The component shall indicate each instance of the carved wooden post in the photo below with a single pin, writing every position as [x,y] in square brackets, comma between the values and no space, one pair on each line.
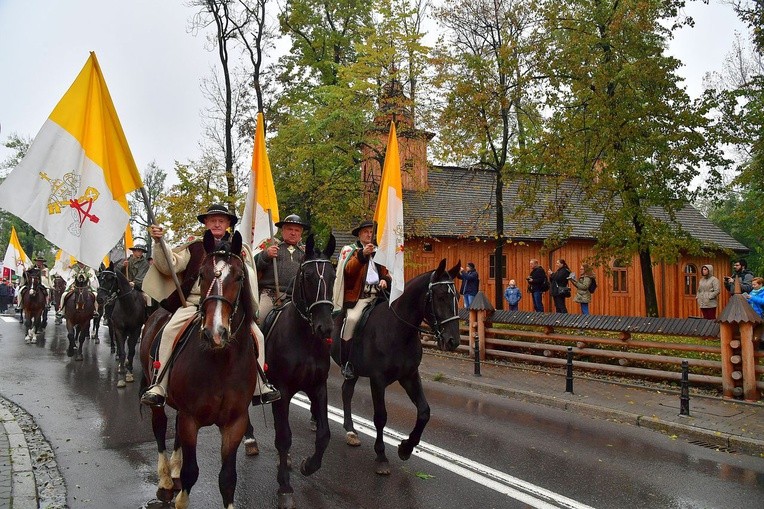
[737,323]
[480,310]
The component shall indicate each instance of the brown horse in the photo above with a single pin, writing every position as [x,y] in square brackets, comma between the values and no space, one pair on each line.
[213,373]
[78,311]
[33,301]
[59,287]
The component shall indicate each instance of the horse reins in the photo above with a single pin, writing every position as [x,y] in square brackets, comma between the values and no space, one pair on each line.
[217,282]
[321,297]
[435,324]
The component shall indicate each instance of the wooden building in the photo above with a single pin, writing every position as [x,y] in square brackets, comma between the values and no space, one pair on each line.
[450,213]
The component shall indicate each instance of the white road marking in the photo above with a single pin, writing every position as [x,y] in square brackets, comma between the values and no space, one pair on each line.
[9,319]
[525,492]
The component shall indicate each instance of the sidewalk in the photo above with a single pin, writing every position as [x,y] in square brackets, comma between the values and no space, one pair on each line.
[17,482]
[732,425]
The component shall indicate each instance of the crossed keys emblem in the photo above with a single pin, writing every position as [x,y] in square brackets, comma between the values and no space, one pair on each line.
[62,194]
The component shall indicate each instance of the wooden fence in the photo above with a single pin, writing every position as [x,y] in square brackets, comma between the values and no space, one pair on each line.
[612,344]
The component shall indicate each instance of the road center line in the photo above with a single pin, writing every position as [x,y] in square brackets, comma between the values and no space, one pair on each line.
[525,492]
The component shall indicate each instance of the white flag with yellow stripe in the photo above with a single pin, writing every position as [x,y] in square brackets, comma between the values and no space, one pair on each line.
[15,258]
[72,184]
[389,217]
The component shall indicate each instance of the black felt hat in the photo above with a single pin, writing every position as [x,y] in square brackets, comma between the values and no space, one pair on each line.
[364,224]
[218,209]
[293,219]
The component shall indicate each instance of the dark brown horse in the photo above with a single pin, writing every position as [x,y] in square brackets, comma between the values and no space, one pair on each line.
[78,311]
[389,349]
[33,301]
[128,313]
[213,374]
[297,354]
[59,287]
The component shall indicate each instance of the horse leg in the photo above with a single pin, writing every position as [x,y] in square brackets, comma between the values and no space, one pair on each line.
[82,334]
[283,442]
[231,436]
[351,437]
[70,335]
[188,432]
[28,326]
[120,337]
[176,461]
[413,387]
[319,411]
[159,427]
[380,420]
[132,340]
[250,442]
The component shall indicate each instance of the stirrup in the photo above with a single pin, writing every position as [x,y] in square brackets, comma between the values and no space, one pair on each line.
[347,371]
[267,398]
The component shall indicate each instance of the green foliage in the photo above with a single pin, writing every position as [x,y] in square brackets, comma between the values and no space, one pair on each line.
[189,198]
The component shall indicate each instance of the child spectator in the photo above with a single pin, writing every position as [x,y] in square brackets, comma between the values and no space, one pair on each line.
[513,295]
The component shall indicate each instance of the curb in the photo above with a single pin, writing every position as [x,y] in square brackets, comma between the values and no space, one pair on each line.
[23,486]
[745,445]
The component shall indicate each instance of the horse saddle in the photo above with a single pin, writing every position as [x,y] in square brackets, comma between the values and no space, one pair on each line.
[365,316]
[179,342]
[271,318]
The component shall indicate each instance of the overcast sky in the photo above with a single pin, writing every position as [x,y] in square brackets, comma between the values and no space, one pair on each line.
[153,65]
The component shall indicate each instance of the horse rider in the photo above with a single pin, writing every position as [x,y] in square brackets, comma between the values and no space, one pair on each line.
[186,261]
[38,266]
[358,284]
[136,266]
[289,253]
[80,269]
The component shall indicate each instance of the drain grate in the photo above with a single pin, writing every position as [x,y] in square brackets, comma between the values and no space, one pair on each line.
[715,447]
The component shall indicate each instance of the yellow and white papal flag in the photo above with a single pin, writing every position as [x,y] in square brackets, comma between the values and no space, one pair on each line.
[15,258]
[389,217]
[62,264]
[255,226]
[72,184]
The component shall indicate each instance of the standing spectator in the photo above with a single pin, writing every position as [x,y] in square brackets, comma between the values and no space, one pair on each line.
[741,271]
[537,285]
[756,296]
[513,295]
[582,284]
[470,283]
[708,292]
[6,295]
[558,281]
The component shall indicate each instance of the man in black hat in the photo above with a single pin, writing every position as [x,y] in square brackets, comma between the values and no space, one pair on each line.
[289,253]
[186,261]
[359,282]
[137,266]
[38,267]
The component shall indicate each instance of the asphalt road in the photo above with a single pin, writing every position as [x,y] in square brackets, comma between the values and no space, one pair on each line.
[480,450]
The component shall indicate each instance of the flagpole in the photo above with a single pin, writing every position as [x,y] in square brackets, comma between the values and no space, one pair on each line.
[163,245]
[275,265]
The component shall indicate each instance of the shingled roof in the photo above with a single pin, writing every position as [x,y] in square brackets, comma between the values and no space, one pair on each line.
[460,203]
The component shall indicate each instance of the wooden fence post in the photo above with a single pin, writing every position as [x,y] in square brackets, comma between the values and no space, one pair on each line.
[480,310]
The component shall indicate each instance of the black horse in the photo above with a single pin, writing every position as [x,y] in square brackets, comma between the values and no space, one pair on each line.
[126,318]
[388,349]
[33,301]
[297,355]
[78,311]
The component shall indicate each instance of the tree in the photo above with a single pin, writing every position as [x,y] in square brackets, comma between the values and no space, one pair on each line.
[486,68]
[153,182]
[620,123]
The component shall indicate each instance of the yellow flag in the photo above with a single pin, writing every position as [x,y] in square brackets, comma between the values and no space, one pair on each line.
[15,258]
[261,196]
[389,217]
[72,184]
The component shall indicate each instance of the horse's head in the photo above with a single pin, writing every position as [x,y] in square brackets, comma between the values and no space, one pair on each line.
[313,288]
[224,288]
[33,280]
[441,309]
[107,284]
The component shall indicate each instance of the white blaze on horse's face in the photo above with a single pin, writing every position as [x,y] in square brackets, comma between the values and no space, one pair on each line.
[222,270]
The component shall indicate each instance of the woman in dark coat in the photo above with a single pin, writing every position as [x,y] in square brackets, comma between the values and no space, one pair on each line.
[558,283]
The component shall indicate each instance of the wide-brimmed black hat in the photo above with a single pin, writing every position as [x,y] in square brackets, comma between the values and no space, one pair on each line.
[217,208]
[138,247]
[39,258]
[364,224]
[293,219]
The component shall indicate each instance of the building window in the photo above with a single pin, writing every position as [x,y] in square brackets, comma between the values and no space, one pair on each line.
[492,266]
[690,280]
[427,247]
[619,277]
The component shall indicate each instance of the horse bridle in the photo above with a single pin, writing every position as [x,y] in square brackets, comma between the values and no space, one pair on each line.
[323,292]
[217,282]
[436,325]
[113,290]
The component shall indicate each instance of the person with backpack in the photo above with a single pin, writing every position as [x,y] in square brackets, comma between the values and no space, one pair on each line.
[559,285]
[585,286]
[538,283]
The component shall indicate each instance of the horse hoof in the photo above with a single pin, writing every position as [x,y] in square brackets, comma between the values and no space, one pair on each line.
[306,470]
[79,357]
[33,340]
[164,495]
[351,438]
[313,425]
[383,468]
[97,340]
[121,383]
[286,501]
[129,378]
[250,447]
[405,450]
[69,352]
